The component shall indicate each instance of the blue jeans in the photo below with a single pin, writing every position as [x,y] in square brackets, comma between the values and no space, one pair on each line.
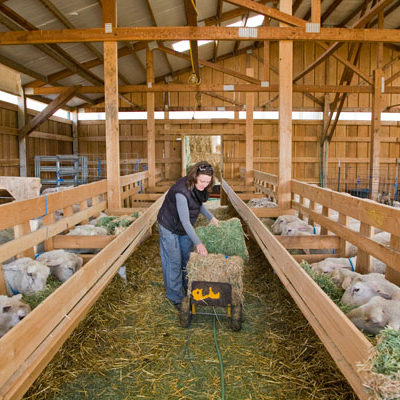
[175,251]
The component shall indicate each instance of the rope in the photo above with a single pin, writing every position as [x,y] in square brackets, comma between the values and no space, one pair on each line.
[194,6]
[351,265]
[221,365]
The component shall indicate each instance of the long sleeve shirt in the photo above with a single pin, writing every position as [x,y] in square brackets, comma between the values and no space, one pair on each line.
[183,212]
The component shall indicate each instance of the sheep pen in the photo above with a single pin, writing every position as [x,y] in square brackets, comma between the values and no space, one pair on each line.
[131,346]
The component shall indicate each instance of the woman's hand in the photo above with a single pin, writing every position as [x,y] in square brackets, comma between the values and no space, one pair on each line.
[201,249]
[214,221]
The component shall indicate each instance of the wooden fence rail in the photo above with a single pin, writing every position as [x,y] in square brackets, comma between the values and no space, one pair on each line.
[345,343]
[29,346]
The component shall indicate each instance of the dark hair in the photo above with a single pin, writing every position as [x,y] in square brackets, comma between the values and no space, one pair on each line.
[200,168]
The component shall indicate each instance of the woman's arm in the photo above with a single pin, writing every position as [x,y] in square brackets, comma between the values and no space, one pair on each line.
[208,215]
[183,212]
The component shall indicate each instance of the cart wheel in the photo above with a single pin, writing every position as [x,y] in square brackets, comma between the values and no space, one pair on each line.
[236,318]
[184,314]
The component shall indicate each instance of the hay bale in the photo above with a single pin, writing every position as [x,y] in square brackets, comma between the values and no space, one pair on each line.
[226,239]
[217,268]
[263,202]
[381,372]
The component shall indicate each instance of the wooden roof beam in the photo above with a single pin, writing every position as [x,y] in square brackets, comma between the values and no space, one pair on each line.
[173,33]
[218,17]
[61,17]
[56,104]
[211,65]
[330,10]
[271,12]
[153,18]
[12,20]
[367,17]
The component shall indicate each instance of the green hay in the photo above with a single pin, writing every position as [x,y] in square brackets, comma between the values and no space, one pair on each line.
[381,371]
[112,223]
[326,283]
[36,298]
[226,239]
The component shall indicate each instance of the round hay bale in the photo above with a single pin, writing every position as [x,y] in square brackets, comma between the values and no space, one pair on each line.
[226,239]
[217,268]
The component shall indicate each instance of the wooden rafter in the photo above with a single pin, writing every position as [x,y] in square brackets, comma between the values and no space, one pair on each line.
[271,12]
[211,65]
[153,18]
[67,23]
[56,104]
[218,22]
[332,7]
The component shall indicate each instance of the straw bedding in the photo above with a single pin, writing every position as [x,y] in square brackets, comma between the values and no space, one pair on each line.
[130,346]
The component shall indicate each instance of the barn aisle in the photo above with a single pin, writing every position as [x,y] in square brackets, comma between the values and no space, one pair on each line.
[131,346]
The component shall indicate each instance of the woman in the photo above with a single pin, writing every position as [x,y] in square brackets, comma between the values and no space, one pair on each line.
[182,205]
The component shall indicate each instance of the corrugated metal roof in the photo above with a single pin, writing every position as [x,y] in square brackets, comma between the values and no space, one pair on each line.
[88,14]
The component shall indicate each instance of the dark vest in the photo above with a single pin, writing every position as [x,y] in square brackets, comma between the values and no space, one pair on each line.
[168,215]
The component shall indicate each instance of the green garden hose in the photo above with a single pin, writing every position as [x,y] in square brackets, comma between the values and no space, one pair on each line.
[221,365]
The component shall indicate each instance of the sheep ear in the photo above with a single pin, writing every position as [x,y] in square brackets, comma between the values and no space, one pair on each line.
[346,282]
[383,294]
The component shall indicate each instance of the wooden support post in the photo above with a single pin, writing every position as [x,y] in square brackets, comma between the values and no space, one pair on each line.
[374,155]
[325,144]
[151,127]
[344,245]
[316,11]
[111,109]
[285,113]
[3,290]
[391,274]
[22,141]
[183,155]
[75,143]
[363,263]
[249,132]
[167,149]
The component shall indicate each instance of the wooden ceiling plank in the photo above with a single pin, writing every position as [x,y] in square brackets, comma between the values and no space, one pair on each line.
[56,104]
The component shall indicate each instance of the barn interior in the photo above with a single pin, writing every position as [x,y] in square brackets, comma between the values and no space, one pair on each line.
[296,101]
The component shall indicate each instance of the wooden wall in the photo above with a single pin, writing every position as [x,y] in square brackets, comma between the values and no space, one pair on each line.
[38,142]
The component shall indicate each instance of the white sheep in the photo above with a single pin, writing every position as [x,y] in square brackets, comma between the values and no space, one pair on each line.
[396,204]
[341,275]
[377,313]
[281,221]
[298,228]
[12,310]
[88,230]
[62,264]
[361,291]
[25,276]
[261,203]
[329,264]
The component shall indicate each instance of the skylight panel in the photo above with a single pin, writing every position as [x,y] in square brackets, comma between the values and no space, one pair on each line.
[184,45]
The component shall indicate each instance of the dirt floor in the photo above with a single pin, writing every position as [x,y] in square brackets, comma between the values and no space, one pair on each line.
[131,346]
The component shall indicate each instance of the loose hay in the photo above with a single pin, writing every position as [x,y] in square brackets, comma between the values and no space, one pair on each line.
[130,346]
[227,238]
[217,268]
[381,372]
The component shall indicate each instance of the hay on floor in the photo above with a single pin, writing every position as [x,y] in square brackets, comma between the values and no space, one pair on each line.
[226,239]
[217,268]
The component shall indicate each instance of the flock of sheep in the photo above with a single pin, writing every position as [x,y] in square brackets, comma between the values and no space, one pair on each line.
[376,300]
[26,276]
